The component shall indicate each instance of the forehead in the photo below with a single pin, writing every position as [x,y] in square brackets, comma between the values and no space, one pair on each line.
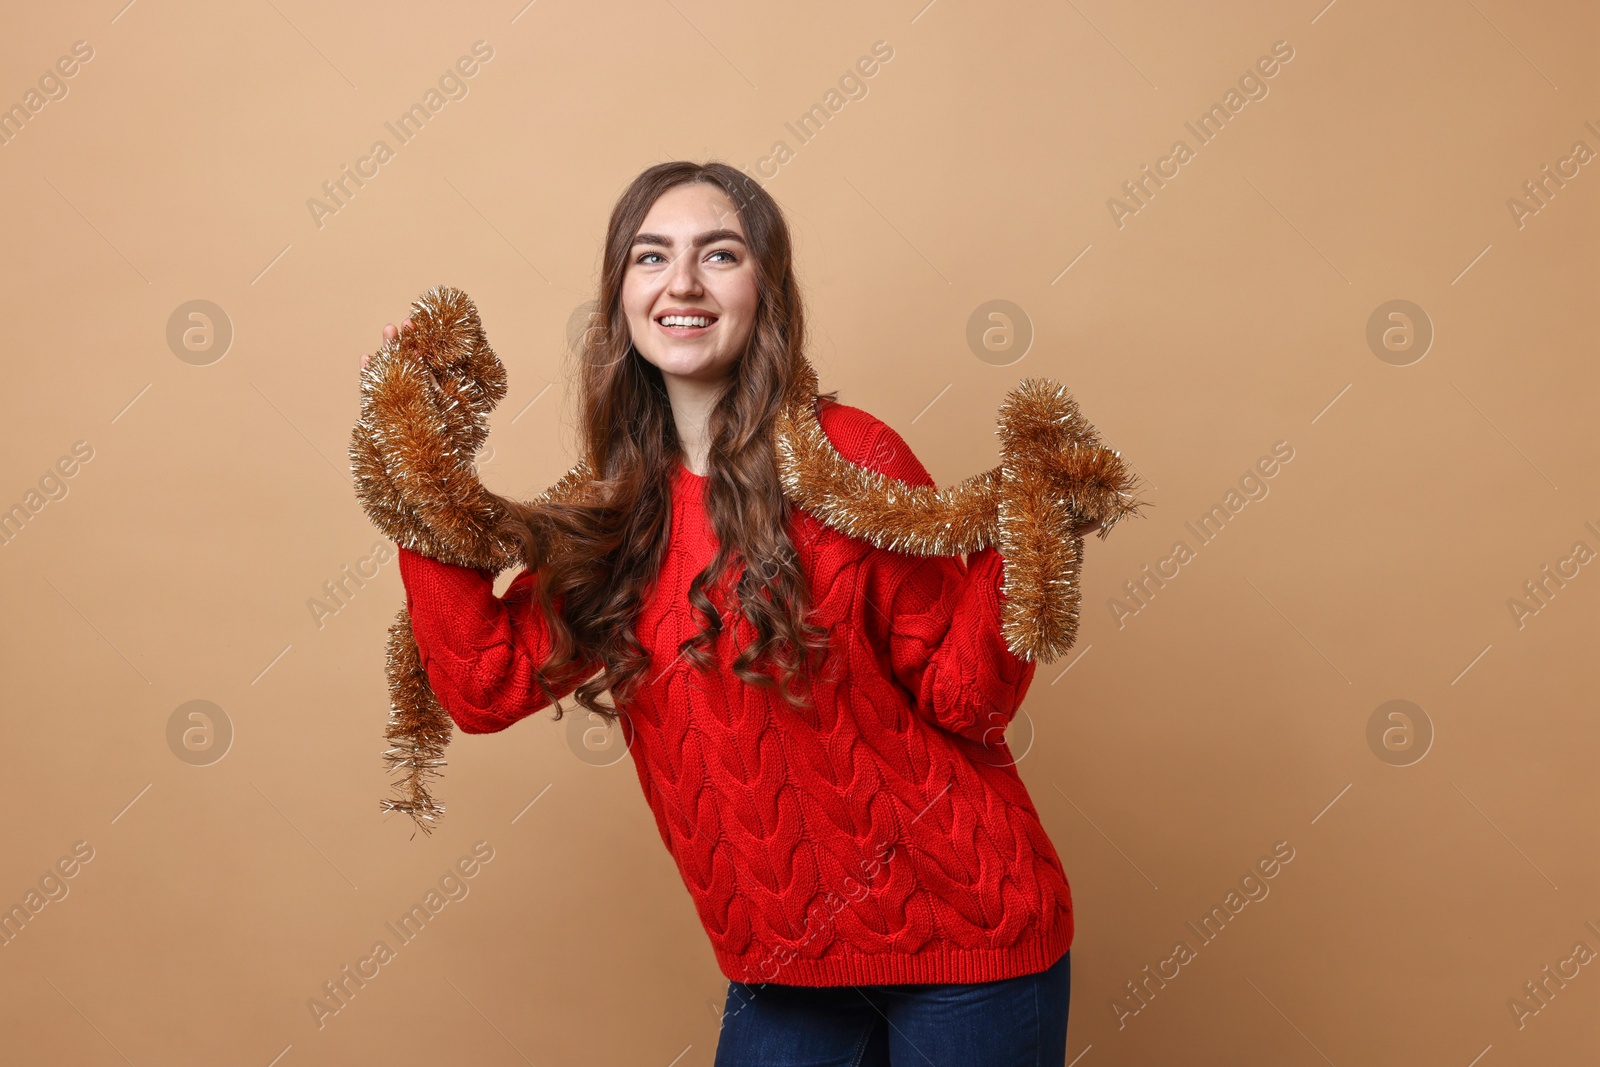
[690,208]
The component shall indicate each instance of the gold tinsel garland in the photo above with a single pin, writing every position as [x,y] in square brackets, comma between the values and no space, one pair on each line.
[425,402]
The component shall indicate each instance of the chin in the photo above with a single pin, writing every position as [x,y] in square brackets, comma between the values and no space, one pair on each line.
[692,365]
[699,370]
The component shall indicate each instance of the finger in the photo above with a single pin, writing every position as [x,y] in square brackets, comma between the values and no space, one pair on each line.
[389,331]
[408,324]
[364,359]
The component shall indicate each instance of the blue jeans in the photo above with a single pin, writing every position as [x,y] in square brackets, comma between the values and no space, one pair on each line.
[1012,1022]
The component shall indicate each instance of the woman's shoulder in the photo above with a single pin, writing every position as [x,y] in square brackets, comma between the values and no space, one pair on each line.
[868,441]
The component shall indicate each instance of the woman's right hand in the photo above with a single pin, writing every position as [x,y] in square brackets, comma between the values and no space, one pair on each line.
[389,334]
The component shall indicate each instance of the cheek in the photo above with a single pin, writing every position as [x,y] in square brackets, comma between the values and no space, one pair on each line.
[634,296]
[637,302]
[740,296]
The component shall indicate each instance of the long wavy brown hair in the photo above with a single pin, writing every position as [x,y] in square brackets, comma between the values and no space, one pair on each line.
[594,559]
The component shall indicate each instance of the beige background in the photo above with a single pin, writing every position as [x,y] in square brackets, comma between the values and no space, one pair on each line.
[1169,750]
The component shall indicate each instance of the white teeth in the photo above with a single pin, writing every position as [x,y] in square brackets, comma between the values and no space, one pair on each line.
[684,320]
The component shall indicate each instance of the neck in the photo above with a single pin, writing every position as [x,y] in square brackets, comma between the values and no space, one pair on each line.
[692,400]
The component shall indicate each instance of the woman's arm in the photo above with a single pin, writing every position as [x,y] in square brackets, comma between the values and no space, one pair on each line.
[946,646]
[939,619]
[480,650]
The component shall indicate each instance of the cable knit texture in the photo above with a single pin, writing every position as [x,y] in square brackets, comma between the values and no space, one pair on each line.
[882,837]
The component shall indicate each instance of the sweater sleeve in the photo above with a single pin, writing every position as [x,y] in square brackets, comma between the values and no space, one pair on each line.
[939,618]
[480,651]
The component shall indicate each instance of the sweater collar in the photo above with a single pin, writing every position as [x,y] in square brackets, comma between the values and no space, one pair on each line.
[683,475]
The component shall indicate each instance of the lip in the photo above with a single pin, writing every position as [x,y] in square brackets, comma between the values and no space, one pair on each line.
[686,331]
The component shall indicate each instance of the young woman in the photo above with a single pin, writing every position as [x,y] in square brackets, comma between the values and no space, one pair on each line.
[817,724]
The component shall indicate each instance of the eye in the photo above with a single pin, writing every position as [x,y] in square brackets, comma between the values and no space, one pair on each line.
[647,255]
[726,252]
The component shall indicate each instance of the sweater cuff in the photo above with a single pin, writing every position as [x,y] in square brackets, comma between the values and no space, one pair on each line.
[988,567]
[420,562]
[436,590]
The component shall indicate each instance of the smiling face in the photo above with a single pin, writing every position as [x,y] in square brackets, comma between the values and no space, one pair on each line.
[690,291]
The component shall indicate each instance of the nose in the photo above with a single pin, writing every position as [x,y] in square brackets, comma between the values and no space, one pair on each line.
[684,277]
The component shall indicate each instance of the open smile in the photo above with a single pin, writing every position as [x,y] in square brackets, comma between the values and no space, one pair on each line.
[676,324]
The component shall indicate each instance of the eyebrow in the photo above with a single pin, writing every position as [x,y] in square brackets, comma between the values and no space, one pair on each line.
[706,238]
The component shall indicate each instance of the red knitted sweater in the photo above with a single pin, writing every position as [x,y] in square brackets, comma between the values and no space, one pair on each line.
[882,837]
